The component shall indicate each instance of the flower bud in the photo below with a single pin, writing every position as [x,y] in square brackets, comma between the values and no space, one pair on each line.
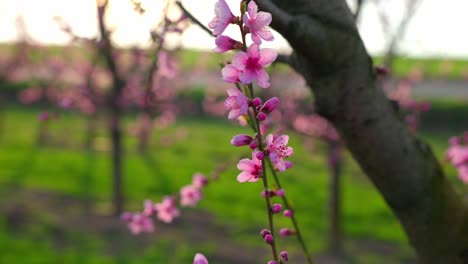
[284,255]
[225,43]
[260,155]
[261,116]
[286,232]
[268,238]
[253,145]
[264,232]
[126,216]
[288,213]
[241,140]
[276,208]
[270,105]
[280,192]
[256,102]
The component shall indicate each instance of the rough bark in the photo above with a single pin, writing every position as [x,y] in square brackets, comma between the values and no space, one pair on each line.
[330,54]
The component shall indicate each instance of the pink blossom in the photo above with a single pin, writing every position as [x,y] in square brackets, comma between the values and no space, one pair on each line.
[199,180]
[167,210]
[251,64]
[251,169]
[190,195]
[458,155]
[200,259]
[237,104]
[140,223]
[148,208]
[223,17]
[225,43]
[257,23]
[278,150]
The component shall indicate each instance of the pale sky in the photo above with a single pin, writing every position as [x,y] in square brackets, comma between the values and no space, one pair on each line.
[437,29]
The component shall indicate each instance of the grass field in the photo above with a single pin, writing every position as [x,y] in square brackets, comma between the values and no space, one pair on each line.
[56,197]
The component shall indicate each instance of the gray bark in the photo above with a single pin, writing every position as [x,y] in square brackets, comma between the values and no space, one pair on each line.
[330,54]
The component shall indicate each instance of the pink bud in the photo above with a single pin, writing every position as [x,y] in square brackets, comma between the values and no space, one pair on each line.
[253,145]
[225,43]
[268,238]
[256,102]
[280,192]
[261,116]
[276,208]
[284,255]
[260,155]
[264,232]
[241,140]
[288,213]
[270,105]
[286,232]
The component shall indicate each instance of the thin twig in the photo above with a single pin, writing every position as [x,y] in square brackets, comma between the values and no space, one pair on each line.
[194,19]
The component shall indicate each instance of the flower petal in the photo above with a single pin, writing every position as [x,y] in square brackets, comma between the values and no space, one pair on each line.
[267,56]
[239,60]
[230,74]
[262,78]
[244,176]
[252,9]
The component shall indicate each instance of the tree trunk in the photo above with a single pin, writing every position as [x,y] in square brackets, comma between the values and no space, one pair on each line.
[116,137]
[330,54]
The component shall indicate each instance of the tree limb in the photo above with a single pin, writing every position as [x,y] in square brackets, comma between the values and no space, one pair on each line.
[194,19]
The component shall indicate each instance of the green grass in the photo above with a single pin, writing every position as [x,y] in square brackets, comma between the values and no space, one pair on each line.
[196,145]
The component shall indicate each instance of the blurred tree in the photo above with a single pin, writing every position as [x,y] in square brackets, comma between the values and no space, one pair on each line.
[340,73]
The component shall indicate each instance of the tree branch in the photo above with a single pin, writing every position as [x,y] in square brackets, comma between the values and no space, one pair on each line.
[194,19]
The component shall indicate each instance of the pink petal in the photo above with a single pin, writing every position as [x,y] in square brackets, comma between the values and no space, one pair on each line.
[230,74]
[245,165]
[252,9]
[269,140]
[244,176]
[247,77]
[256,39]
[282,140]
[263,78]
[235,113]
[239,60]
[267,56]
[253,51]
[265,34]
[233,91]
[246,20]
[263,19]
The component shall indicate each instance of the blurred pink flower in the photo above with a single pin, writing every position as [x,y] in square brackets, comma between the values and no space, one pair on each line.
[237,104]
[278,149]
[190,195]
[30,95]
[140,223]
[257,23]
[199,180]
[167,210]
[223,17]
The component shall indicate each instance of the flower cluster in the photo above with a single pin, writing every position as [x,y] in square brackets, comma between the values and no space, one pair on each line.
[246,68]
[458,155]
[166,210]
